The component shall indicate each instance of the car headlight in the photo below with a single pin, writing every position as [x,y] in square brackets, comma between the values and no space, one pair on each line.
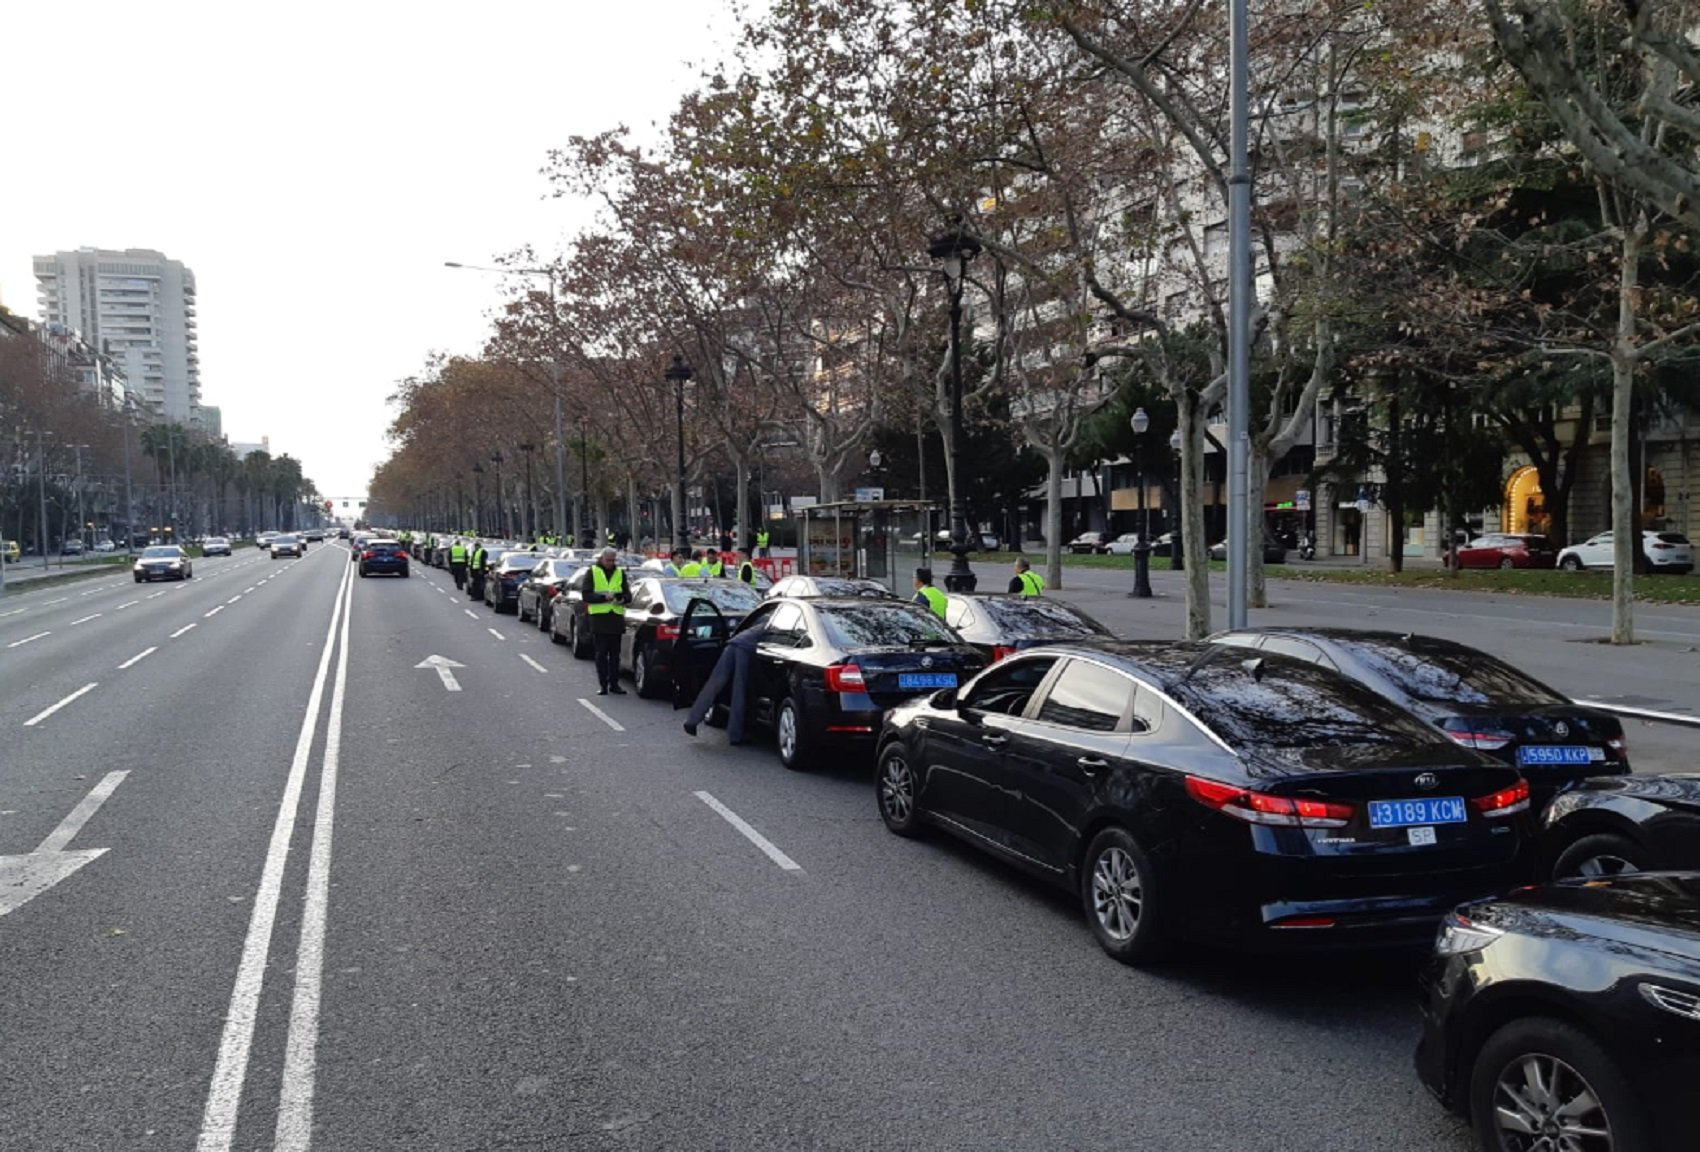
[1459,934]
[136,567]
[176,564]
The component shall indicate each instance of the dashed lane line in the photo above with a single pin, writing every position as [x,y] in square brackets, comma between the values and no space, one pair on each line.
[27,639]
[85,619]
[495,633]
[138,657]
[50,710]
[769,849]
[214,612]
[533,663]
[602,716]
[126,604]
[181,630]
[470,613]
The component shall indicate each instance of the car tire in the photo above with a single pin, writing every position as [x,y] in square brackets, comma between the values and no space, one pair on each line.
[519,612]
[362,571]
[1598,855]
[1571,1062]
[138,579]
[554,636]
[643,676]
[544,618]
[1506,564]
[790,734]
[404,573]
[1119,892]
[1571,564]
[581,650]
[896,790]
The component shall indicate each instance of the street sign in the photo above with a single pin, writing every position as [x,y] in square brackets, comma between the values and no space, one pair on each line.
[1301,499]
[869,495]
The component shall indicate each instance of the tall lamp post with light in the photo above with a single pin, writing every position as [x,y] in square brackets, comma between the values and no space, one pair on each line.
[1141,423]
[676,375]
[477,499]
[1177,553]
[953,249]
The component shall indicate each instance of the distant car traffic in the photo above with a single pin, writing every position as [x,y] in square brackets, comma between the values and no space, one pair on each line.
[1507,550]
[314,535]
[162,562]
[285,544]
[1664,552]
[384,558]
[1002,624]
[652,624]
[11,551]
[1475,699]
[105,546]
[215,546]
[1087,543]
[1567,1017]
[72,547]
[264,539]
[1624,824]
[1274,552]
[1188,790]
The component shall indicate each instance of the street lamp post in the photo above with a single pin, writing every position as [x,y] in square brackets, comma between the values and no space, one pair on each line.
[501,499]
[1177,554]
[129,492]
[1142,545]
[954,248]
[530,503]
[677,375]
[41,494]
[477,500]
[589,537]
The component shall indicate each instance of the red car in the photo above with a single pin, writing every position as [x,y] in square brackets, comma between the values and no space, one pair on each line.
[1505,550]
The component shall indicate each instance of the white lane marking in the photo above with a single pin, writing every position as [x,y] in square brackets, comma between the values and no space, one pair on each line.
[234,598]
[224,1096]
[603,716]
[158,594]
[1686,719]
[180,631]
[138,658]
[495,633]
[46,712]
[248,589]
[13,612]
[441,665]
[294,1130]
[767,846]
[27,639]
[470,613]
[214,612]
[533,663]
[86,808]
[126,604]
[85,619]
[61,600]
[92,592]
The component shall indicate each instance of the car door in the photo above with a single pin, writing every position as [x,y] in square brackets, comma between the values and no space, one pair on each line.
[1596,552]
[703,632]
[962,770]
[1059,761]
[770,675]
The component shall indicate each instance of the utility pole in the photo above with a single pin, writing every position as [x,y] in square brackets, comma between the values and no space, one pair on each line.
[1239,316]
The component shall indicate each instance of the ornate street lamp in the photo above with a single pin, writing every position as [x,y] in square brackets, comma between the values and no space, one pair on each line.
[1141,423]
[1177,554]
[676,376]
[953,249]
[477,500]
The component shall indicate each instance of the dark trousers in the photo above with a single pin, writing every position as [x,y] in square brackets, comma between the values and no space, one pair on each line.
[607,646]
[732,667]
[475,584]
[458,571]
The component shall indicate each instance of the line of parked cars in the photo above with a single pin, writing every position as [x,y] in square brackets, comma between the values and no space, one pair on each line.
[1664,552]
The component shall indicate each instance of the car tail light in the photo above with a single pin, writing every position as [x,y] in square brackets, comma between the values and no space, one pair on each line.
[845,678]
[1663,547]
[862,728]
[1485,741]
[1619,745]
[1263,808]
[368,554]
[666,631]
[1304,922]
[1504,802]
[401,555]
[999,651]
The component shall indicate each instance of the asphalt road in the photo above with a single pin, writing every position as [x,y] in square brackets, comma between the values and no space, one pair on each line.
[341,904]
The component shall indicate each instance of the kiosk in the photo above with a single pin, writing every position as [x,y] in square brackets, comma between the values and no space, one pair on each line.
[883,540]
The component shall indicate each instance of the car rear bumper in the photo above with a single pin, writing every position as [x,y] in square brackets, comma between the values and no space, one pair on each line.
[385,568]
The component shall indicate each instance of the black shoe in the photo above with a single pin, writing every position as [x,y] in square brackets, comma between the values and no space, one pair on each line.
[616,690]
[602,691]
[690,729]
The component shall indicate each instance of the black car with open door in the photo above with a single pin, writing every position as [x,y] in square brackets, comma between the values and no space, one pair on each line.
[826,670]
[1624,824]
[653,620]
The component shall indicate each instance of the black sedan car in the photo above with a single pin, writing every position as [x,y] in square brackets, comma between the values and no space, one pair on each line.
[652,624]
[1624,824]
[537,595]
[827,670]
[507,573]
[162,562]
[1191,790]
[383,557]
[1478,700]
[1566,1018]
[813,587]
[1001,625]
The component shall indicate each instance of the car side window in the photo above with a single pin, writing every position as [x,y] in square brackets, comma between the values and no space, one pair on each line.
[1089,697]
[958,615]
[641,598]
[1007,688]
[786,627]
[1298,649]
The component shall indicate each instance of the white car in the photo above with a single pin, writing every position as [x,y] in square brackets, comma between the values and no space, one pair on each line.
[215,546]
[1665,552]
[1123,545]
[105,546]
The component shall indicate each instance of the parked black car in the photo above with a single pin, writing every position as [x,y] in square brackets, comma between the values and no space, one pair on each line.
[810,587]
[507,573]
[1192,790]
[1000,624]
[827,670]
[537,594]
[1478,700]
[1624,824]
[652,623]
[1567,1017]
[383,556]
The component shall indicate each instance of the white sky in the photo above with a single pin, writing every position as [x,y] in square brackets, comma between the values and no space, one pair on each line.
[315,163]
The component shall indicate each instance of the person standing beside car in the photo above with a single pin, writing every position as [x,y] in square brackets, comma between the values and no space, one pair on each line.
[1026,582]
[475,571]
[457,562]
[605,600]
[925,593]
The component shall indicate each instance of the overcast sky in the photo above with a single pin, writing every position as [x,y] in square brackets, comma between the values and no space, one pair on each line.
[315,163]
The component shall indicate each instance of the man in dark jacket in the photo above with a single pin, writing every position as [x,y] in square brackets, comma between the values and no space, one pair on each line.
[605,600]
[732,668]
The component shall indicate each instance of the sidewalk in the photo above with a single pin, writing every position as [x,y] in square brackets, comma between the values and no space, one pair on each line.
[28,573]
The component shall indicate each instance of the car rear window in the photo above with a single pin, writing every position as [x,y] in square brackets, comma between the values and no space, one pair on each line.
[726,595]
[1444,673]
[1035,615]
[878,625]
[830,587]
[1292,705]
[1672,538]
[516,560]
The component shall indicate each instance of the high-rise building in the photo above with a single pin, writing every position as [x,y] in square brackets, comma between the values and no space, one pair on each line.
[138,307]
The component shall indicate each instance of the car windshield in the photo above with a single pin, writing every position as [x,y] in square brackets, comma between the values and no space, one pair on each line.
[162,552]
[830,587]
[726,595]
[1285,704]
[283,539]
[878,625]
[1440,673]
[1039,616]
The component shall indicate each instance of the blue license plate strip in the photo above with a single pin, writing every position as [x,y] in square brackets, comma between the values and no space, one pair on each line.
[1555,754]
[926,679]
[1410,813]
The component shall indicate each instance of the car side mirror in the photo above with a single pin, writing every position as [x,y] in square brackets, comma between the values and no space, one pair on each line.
[946,698]
[657,608]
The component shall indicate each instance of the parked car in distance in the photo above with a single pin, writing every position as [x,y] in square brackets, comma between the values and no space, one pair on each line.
[1507,550]
[507,573]
[1665,552]
[1189,790]
[652,623]
[1274,552]
[1087,543]
[383,558]
[11,551]
[287,544]
[1623,824]
[794,587]
[1001,624]
[105,546]
[1475,699]
[537,594]
[72,547]
[215,546]
[162,562]
[826,670]
[1567,1017]
[1124,544]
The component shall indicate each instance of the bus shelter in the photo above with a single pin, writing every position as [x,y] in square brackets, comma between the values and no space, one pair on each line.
[883,540]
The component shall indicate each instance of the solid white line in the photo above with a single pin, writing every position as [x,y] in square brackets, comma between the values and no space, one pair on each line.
[181,630]
[27,639]
[495,633]
[86,807]
[224,1096]
[46,712]
[1687,719]
[767,846]
[85,619]
[138,658]
[295,1103]
[126,604]
[603,716]
[214,612]
[533,663]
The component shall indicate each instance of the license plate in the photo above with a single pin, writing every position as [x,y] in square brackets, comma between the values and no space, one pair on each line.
[1405,813]
[1420,837]
[1558,754]
[926,679]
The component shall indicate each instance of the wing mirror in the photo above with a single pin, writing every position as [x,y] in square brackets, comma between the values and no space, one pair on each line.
[657,608]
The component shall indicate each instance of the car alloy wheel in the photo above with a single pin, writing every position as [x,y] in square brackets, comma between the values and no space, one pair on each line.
[789,732]
[1121,898]
[1602,854]
[897,794]
[641,678]
[1117,895]
[1571,564]
[1507,564]
[1541,1085]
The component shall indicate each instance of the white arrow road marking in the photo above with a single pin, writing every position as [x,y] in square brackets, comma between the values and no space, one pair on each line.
[27,639]
[137,658]
[533,663]
[603,716]
[23,878]
[442,664]
[767,846]
[48,711]
[85,619]
[181,630]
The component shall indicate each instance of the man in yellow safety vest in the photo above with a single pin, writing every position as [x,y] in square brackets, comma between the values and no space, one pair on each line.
[926,594]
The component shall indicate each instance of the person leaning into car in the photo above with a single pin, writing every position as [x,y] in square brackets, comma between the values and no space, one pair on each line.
[605,600]
[731,668]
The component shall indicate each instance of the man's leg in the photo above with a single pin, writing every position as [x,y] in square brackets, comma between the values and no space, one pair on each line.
[740,692]
[710,691]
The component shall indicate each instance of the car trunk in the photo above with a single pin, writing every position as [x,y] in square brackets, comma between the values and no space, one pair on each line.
[892,675]
[1551,744]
